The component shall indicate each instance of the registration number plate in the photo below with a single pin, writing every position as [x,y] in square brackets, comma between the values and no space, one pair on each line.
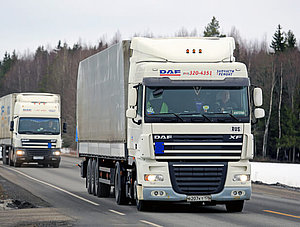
[199,198]
[38,157]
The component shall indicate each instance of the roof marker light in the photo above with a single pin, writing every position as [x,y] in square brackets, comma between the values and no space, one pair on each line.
[200,51]
[187,51]
[194,51]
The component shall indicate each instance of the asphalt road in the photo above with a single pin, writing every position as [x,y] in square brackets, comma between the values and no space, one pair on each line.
[64,190]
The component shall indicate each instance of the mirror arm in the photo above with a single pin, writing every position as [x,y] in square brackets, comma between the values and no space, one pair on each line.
[137,122]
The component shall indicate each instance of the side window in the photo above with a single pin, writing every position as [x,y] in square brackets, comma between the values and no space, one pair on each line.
[140,99]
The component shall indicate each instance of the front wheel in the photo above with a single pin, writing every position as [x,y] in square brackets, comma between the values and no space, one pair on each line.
[235,206]
[141,205]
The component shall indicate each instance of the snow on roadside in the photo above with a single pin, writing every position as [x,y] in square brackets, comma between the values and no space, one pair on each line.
[273,173]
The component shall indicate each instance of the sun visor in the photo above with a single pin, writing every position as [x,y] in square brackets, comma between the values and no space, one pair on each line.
[167,82]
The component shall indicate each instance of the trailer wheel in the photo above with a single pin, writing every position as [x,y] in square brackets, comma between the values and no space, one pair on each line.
[4,158]
[95,177]
[88,177]
[235,206]
[120,190]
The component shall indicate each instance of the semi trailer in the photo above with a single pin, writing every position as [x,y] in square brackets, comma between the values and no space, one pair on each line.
[30,129]
[167,120]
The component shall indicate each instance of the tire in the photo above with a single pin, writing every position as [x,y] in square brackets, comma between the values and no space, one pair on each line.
[235,206]
[141,205]
[56,165]
[17,164]
[89,176]
[4,159]
[94,178]
[10,157]
[120,189]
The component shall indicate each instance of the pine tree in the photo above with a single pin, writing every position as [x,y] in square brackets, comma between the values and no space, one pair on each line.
[279,42]
[291,40]
[212,29]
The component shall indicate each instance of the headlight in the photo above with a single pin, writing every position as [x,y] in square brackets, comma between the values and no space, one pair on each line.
[241,177]
[56,153]
[153,177]
[20,152]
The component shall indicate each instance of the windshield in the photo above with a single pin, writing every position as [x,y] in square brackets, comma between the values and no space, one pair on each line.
[196,104]
[32,125]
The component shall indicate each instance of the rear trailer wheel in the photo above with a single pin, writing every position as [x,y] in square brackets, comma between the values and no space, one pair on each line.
[120,190]
[89,177]
[94,176]
[235,206]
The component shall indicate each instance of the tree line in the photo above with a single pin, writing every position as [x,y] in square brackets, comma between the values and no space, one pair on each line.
[275,67]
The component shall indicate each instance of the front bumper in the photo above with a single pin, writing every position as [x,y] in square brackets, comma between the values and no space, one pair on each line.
[38,156]
[227,194]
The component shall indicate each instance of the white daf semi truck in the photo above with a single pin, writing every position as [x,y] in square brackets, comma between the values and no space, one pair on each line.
[167,120]
[30,129]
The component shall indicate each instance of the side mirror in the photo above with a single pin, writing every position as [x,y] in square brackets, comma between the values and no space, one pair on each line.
[64,127]
[257,97]
[132,97]
[259,113]
[131,113]
[12,124]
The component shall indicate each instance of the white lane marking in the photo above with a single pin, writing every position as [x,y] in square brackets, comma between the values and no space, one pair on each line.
[57,188]
[117,212]
[150,223]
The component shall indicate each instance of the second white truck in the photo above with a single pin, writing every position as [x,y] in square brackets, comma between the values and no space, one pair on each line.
[30,130]
[167,120]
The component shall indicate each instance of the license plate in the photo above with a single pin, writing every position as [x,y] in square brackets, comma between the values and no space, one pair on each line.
[198,198]
[38,157]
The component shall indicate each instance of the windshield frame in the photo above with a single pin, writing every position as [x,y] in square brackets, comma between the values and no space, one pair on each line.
[41,127]
[197,117]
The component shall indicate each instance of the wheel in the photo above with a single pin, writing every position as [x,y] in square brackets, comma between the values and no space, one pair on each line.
[56,165]
[235,206]
[89,177]
[4,158]
[141,205]
[120,190]
[102,190]
[10,157]
[17,164]
[95,174]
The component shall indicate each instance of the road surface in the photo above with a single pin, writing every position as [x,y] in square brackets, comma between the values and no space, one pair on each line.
[64,190]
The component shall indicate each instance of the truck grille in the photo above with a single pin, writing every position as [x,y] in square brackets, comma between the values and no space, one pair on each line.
[208,147]
[38,143]
[38,152]
[198,178]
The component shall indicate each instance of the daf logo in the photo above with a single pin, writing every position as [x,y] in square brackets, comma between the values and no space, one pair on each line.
[162,137]
[235,137]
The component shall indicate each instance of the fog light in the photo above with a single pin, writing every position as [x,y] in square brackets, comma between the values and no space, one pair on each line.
[20,152]
[241,177]
[153,177]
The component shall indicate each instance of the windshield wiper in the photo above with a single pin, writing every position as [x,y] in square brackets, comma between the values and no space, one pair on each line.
[203,115]
[231,115]
[176,115]
[26,132]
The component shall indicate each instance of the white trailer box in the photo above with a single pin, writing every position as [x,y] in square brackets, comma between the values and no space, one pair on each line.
[103,90]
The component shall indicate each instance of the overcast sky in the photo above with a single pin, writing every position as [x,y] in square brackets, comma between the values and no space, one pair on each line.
[27,24]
